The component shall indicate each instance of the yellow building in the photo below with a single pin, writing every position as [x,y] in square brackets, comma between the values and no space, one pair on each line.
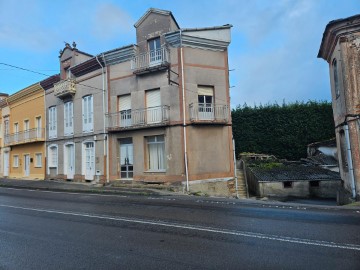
[24,135]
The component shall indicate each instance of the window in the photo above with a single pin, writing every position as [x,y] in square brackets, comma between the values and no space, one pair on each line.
[6,131]
[68,118]
[288,184]
[38,160]
[15,161]
[53,156]
[314,183]
[153,106]
[155,51]
[26,129]
[156,153]
[343,151]
[336,78]
[206,100]
[16,132]
[38,127]
[124,110]
[6,127]
[87,110]
[52,122]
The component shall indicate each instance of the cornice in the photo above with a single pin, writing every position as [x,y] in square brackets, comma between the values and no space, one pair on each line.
[22,94]
[334,31]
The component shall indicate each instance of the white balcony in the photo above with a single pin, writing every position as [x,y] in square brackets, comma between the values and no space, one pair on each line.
[133,119]
[30,135]
[150,61]
[208,113]
[64,88]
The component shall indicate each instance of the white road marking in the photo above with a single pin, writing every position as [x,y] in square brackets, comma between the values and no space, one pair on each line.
[64,192]
[199,228]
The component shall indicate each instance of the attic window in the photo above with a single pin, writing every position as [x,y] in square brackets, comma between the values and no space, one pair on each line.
[287,184]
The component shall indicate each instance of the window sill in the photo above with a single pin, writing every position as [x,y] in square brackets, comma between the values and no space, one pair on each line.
[155,171]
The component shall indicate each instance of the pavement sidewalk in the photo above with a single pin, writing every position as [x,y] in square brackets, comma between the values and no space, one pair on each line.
[68,186]
[142,190]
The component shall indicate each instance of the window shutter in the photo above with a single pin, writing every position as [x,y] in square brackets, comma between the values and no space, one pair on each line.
[124,103]
[153,98]
[91,116]
[205,90]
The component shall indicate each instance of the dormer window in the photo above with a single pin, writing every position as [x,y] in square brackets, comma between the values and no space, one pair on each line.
[155,51]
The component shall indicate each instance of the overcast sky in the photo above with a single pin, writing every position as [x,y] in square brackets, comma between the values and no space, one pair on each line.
[273,53]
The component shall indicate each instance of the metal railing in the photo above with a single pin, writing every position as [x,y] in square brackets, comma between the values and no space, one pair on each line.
[150,59]
[208,112]
[64,88]
[138,118]
[30,135]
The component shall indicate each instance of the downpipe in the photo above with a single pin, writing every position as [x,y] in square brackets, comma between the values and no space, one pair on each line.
[350,161]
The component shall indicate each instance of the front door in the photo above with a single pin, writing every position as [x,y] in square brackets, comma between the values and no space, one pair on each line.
[70,161]
[26,165]
[89,161]
[6,163]
[126,159]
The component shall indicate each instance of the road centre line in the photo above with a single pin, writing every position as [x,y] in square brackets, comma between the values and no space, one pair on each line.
[199,228]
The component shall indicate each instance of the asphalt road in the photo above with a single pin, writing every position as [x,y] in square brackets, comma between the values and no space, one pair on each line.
[52,230]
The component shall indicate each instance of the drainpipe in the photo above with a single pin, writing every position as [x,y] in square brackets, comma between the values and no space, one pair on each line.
[350,162]
[107,136]
[103,106]
[184,120]
[235,174]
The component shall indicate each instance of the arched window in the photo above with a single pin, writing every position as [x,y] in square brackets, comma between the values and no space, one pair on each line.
[336,78]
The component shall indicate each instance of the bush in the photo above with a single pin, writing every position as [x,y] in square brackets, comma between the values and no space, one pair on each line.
[283,131]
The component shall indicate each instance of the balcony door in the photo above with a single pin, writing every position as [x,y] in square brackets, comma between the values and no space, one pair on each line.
[153,107]
[124,110]
[26,130]
[155,55]
[206,102]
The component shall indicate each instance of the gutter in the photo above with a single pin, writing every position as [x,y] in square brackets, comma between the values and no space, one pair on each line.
[184,120]
[104,115]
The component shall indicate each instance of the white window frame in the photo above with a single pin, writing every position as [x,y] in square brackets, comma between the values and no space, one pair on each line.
[52,121]
[158,165]
[38,160]
[68,118]
[26,129]
[15,161]
[88,113]
[38,126]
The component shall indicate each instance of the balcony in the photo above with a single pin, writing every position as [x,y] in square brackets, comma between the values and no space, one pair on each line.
[134,119]
[208,113]
[27,136]
[64,89]
[150,61]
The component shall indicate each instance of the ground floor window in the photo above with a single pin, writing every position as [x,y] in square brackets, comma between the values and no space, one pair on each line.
[288,184]
[38,160]
[53,156]
[156,153]
[314,183]
[15,161]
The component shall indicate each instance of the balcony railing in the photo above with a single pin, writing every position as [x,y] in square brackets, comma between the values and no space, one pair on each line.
[64,88]
[30,135]
[208,112]
[151,60]
[131,119]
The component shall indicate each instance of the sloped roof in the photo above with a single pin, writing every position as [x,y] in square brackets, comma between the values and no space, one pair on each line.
[294,173]
[158,11]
